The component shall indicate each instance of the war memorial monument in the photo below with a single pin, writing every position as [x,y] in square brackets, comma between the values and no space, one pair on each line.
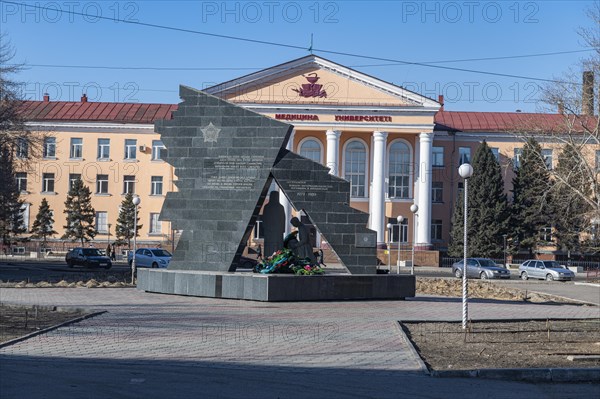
[225,158]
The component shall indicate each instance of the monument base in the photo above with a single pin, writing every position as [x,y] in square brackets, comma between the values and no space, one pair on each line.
[276,287]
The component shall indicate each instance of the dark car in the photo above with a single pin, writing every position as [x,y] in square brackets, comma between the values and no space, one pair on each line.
[87,257]
[482,268]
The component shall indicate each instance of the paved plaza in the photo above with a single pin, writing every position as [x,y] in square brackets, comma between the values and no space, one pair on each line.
[152,345]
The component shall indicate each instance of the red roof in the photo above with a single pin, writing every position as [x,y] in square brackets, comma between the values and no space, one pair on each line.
[96,111]
[149,113]
[510,121]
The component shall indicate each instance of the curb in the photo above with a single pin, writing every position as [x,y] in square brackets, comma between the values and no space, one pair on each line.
[563,375]
[411,348]
[48,329]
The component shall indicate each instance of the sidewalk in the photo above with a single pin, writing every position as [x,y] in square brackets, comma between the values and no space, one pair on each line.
[170,346]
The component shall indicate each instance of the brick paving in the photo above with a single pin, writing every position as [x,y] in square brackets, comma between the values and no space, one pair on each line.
[341,337]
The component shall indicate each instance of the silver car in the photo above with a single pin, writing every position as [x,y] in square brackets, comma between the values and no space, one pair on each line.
[150,257]
[549,270]
[482,268]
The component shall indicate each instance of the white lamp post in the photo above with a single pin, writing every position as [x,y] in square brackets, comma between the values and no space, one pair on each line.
[389,227]
[400,219]
[465,171]
[136,201]
[414,208]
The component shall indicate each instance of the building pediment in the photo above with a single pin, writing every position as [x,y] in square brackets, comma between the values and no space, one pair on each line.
[314,80]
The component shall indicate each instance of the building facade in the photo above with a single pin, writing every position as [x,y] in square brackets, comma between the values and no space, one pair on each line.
[397,148]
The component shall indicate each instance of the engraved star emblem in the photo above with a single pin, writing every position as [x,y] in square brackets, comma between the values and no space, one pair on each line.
[211,133]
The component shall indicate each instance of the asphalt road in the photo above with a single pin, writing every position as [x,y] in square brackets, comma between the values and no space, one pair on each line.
[35,271]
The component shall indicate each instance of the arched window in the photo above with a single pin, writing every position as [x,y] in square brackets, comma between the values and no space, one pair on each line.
[399,170]
[355,158]
[311,149]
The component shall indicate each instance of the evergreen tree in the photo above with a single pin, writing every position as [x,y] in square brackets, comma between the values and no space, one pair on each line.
[43,224]
[488,216]
[11,206]
[569,208]
[80,213]
[125,222]
[531,197]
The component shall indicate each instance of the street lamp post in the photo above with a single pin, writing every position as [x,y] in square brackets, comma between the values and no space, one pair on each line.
[400,219]
[136,202]
[414,208]
[504,236]
[389,246]
[465,171]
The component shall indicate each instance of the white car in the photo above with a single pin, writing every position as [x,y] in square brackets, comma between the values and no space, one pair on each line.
[549,270]
[150,257]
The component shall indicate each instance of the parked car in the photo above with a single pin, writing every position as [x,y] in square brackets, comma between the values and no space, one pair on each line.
[150,257]
[549,270]
[480,268]
[88,257]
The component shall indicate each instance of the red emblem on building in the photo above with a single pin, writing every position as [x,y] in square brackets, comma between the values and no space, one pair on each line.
[311,89]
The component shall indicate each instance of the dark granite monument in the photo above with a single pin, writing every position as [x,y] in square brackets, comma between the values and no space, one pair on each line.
[225,158]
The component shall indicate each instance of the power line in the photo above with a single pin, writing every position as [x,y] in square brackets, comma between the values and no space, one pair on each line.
[141,68]
[291,46]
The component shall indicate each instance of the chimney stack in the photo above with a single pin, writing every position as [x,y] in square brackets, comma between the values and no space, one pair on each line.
[561,107]
[46,98]
[587,97]
[441,101]
[84,98]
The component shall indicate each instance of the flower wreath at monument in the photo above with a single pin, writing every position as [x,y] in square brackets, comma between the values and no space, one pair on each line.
[285,261]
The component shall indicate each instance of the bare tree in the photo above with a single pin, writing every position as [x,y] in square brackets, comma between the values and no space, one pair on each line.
[14,136]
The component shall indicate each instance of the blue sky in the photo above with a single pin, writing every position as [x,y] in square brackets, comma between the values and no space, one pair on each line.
[416,31]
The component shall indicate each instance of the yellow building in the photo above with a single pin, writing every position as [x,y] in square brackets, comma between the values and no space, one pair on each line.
[396,147]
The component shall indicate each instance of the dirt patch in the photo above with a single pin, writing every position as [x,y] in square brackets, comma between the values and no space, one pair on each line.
[530,344]
[77,280]
[481,289]
[17,321]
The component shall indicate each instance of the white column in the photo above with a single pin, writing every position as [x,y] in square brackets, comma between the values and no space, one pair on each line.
[282,198]
[333,151]
[424,188]
[377,203]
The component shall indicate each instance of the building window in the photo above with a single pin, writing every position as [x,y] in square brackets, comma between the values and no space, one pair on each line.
[437,154]
[101,184]
[461,188]
[48,182]
[311,149]
[103,148]
[25,214]
[102,222]
[49,147]
[399,230]
[517,158]
[259,234]
[155,226]
[597,160]
[436,230]
[73,177]
[128,184]
[464,155]
[158,150]
[437,191]
[496,153]
[355,168]
[21,181]
[22,148]
[76,148]
[130,149]
[546,234]
[399,170]
[547,155]
[156,185]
